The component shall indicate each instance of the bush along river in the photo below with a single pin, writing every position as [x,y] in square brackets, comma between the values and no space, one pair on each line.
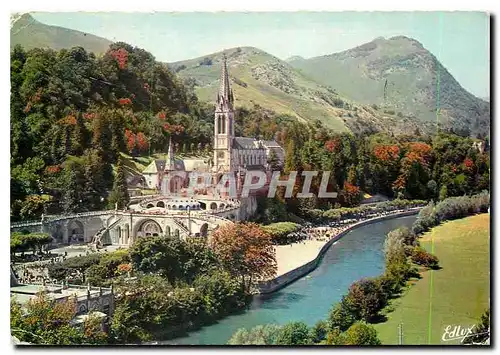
[356,255]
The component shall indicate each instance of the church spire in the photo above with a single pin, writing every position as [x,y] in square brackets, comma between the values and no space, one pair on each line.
[225,91]
[170,162]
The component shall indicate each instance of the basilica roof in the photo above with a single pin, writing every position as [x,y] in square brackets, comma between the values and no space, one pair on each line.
[245,143]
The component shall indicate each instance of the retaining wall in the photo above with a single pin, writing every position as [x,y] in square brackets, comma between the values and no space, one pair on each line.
[292,275]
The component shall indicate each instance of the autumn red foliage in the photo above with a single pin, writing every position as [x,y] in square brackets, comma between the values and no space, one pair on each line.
[246,249]
[331,145]
[386,152]
[162,115]
[68,120]
[124,268]
[351,194]
[173,129]
[121,57]
[142,142]
[53,169]
[130,140]
[125,101]
[89,115]
[468,163]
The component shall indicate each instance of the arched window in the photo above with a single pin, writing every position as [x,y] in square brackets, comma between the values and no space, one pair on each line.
[223,124]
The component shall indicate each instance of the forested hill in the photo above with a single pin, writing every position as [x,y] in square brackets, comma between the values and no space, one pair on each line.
[30,33]
[73,112]
[73,115]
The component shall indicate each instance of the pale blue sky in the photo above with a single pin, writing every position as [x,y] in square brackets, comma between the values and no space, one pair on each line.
[460,40]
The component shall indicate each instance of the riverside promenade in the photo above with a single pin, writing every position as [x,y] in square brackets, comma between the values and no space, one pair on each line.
[297,260]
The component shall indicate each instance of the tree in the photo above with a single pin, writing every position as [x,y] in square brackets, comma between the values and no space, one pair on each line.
[366,299]
[273,161]
[73,184]
[47,323]
[318,332]
[481,331]
[245,250]
[173,258]
[361,334]
[158,254]
[260,335]
[119,194]
[294,333]
[342,315]
[79,138]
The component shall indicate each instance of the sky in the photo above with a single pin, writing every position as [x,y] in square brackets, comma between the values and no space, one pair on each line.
[460,40]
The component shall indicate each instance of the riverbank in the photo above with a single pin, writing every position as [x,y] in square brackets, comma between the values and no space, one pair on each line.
[456,294]
[299,259]
[356,255]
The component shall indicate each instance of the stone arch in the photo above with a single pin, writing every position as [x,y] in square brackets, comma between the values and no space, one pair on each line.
[204,230]
[213,206]
[148,228]
[82,309]
[160,204]
[92,226]
[150,205]
[203,205]
[76,231]
[222,205]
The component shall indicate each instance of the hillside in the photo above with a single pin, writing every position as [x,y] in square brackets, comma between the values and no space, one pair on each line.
[30,33]
[260,78]
[399,74]
[445,296]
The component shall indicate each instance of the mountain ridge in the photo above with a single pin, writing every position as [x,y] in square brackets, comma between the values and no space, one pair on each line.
[400,74]
[30,33]
[262,78]
[382,85]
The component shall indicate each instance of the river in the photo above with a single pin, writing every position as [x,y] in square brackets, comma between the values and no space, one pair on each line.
[358,254]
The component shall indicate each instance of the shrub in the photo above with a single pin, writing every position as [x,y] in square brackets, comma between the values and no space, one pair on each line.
[294,333]
[361,334]
[422,257]
[341,316]
[318,332]
[366,299]
[280,231]
[259,335]
[206,61]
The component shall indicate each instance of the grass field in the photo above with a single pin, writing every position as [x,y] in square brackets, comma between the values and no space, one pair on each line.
[457,294]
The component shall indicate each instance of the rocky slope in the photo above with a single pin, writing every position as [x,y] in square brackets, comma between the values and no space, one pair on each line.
[400,75]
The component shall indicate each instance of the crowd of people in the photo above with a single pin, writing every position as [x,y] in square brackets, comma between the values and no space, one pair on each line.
[324,233]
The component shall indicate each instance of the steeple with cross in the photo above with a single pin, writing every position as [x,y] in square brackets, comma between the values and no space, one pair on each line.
[223,122]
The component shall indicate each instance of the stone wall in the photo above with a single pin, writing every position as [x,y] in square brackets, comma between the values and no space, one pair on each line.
[285,279]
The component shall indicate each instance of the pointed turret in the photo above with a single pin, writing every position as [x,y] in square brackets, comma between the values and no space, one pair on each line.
[170,162]
[225,93]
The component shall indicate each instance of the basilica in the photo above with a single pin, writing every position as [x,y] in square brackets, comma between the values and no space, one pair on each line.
[230,154]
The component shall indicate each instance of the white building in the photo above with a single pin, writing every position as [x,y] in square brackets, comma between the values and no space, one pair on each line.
[231,154]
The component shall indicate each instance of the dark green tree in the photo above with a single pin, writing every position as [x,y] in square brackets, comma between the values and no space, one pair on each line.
[119,194]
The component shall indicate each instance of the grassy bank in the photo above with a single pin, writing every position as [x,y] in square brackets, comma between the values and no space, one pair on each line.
[457,294]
